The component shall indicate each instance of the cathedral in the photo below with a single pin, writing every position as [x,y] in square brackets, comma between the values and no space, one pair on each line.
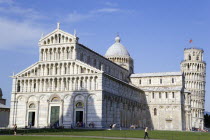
[73,86]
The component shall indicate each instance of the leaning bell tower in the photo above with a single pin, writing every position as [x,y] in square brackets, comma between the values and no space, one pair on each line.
[194,71]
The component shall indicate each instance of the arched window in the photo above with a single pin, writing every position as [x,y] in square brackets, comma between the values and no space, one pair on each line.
[55,99]
[34,85]
[172,80]
[65,70]
[197,58]
[56,70]
[140,81]
[155,111]
[81,84]
[18,87]
[81,70]
[59,38]
[32,105]
[79,105]
[59,54]
[189,57]
[48,71]
[161,81]
[150,81]
[48,41]
[166,95]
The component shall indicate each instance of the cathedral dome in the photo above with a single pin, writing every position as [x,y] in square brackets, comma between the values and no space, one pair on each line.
[117,49]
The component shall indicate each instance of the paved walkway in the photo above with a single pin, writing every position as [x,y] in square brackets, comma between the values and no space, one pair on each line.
[90,137]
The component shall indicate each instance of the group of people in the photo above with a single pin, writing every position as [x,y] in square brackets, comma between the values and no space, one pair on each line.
[133,126]
[79,124]
[54,125]
[91,125]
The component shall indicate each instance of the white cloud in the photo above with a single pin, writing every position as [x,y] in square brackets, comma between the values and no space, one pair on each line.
[76,17]
[19,27]
[106,10]
[10,8]
[18,35]
[111,4]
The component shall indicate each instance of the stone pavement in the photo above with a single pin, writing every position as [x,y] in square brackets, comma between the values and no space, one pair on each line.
[122,138]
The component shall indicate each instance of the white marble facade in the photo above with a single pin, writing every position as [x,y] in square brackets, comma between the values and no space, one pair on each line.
[74,86]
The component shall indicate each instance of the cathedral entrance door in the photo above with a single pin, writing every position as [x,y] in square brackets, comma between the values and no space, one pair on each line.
[54,116]
[79,118]
[31,118]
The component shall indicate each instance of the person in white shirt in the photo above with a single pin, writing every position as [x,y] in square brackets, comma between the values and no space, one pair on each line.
[146,133]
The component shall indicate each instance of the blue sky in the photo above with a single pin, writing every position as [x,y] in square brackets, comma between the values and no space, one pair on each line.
[155,32]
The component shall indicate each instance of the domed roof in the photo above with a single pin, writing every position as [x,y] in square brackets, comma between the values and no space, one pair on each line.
[117,49]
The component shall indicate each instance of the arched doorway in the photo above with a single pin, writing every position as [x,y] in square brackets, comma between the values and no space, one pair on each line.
[79,114]
[31,114]
[55,112]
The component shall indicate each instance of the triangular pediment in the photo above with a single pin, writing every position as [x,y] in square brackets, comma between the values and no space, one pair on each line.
[57,36]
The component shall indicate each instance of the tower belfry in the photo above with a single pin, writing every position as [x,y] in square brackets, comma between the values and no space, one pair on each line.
[194,70]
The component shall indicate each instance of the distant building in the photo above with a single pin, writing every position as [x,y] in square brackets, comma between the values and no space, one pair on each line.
[72,85]
[4,112]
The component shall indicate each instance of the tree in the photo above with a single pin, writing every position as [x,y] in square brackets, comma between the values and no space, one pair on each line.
[207,120]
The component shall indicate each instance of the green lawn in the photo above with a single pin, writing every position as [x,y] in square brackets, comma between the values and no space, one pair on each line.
[44,138]
[170,135]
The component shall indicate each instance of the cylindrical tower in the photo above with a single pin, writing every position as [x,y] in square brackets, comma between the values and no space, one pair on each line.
[194,70]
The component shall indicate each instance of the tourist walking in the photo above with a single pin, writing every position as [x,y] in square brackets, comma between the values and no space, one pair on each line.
[146,133]
[15,129]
